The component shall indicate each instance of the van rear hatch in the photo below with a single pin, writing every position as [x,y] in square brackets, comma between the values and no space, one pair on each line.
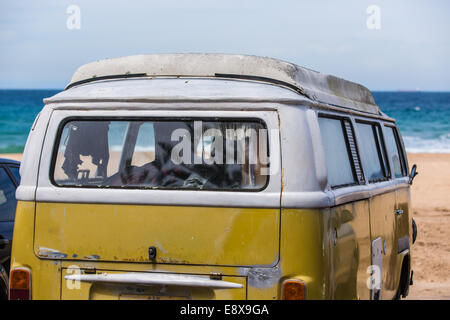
[180,235]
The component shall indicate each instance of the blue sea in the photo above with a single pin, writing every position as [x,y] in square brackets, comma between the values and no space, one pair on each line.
[423,117]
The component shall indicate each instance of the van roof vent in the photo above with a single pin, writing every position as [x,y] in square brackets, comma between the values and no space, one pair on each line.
[312,84]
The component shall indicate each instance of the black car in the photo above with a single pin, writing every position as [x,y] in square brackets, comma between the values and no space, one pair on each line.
[9,181]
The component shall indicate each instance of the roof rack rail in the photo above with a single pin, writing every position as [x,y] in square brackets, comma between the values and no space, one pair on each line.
[111,77]
[316,86]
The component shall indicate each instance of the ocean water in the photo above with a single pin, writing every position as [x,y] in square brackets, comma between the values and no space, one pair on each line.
[423,117]
[18,109]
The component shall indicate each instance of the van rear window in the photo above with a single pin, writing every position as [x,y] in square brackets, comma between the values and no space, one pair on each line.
[159,154]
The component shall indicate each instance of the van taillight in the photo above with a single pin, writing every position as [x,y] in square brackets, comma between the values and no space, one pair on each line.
[20,284]
[293,289]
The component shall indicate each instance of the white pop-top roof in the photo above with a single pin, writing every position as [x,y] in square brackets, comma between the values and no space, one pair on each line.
[314,85]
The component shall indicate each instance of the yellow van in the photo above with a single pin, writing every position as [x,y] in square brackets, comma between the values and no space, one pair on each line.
[211,176]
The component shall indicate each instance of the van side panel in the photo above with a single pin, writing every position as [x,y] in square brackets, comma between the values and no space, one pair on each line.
[308,252]
[404,220]
[394,230]
[383,225]
[45,274]
[404,230]
[351,253]
[305,250]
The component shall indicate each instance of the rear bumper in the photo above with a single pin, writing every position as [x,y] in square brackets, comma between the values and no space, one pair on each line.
[79,283]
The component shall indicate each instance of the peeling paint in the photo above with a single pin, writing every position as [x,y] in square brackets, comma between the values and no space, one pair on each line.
[172,260]
[92,257]
[160,247]
[261,277]
[51,253]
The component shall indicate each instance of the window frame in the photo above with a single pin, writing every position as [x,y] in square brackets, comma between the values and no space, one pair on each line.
[63,122]
[381,150]
[13,182]
[11,175]
[401,151]
[341,119]
[16,182]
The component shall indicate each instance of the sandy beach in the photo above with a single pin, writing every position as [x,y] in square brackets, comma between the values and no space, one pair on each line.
[431,211]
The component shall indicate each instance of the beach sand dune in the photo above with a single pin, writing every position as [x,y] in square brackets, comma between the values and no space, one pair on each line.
[430,196]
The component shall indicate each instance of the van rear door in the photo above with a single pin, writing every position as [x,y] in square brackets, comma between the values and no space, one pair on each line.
[156,187]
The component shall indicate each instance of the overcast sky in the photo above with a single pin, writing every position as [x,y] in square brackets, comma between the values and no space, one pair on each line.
[410,50]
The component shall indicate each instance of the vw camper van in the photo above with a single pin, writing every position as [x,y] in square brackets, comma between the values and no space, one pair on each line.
[211,176]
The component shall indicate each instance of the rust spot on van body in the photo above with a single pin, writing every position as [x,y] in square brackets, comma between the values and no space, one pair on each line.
[172,261]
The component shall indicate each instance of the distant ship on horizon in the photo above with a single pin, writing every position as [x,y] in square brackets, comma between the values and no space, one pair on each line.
[409,90]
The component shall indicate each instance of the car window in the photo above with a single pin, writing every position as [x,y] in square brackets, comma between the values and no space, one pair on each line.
[15,171]
[176,154]
[394,153]
[7,197]
[338,163]
[382,149]
[371,150]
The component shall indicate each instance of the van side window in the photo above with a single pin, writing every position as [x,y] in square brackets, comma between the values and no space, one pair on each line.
[395,153]
[373,153]
[337,153]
